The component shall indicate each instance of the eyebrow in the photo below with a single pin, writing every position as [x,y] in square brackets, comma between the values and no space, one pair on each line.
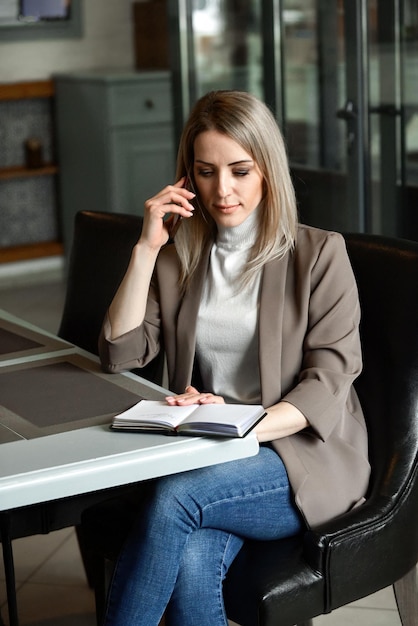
[229,164]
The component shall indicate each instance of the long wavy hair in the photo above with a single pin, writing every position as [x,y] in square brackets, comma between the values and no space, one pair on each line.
[248,121]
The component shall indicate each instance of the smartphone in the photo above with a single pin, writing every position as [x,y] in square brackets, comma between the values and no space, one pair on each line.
[175,225]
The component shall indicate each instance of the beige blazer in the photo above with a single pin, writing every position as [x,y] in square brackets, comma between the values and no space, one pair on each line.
[309,354]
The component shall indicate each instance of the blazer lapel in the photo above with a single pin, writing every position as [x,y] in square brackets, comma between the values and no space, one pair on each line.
[187,323]
[272,302]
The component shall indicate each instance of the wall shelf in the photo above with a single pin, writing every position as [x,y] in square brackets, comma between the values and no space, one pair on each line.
[20,171]
[28,200]
[31,251]
[20,91]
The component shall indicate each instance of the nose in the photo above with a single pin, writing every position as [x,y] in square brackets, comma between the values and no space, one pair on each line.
[223,184]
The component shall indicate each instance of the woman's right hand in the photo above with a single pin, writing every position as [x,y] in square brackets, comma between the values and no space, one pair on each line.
[127,309]
[173,200]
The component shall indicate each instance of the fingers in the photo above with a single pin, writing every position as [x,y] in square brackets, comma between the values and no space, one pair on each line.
[210,398]
[192,396]
[190,389]
[172,199]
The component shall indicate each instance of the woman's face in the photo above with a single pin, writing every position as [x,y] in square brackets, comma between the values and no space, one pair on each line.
[228,181]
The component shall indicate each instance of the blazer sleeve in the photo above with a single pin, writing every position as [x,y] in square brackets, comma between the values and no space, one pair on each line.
[136,348]
[331,350]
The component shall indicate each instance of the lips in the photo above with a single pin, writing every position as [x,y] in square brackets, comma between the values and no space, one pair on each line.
[226,208]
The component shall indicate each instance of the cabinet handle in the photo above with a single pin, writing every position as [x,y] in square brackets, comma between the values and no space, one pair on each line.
[149,104]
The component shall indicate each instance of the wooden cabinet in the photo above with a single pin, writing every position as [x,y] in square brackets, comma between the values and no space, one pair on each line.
[115,141]
[28,212]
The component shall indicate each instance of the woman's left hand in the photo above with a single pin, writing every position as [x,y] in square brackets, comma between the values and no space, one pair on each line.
[192,396]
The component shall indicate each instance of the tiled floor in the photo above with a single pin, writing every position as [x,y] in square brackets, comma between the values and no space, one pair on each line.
[51,585]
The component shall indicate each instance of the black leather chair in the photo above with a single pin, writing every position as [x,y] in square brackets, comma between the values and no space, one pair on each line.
[291,581]
[100,253]
[101,249]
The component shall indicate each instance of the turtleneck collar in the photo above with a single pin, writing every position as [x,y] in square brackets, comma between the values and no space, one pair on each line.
[241,236]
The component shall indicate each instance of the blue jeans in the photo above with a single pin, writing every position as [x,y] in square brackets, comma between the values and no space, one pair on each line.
[181,548]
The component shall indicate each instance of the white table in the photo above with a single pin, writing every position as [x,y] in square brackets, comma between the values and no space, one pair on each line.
[53,463]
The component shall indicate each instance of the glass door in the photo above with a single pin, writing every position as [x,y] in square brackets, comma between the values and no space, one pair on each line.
[409,68]
[351,112]
[217,44]
[326,98]
[394,117]
[340,76]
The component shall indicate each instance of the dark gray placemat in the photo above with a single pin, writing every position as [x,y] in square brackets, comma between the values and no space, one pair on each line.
[60,393]
[12,342]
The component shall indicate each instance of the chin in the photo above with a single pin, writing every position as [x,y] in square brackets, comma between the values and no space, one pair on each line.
[228,220]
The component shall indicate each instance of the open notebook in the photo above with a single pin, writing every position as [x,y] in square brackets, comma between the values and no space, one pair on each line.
[225,420]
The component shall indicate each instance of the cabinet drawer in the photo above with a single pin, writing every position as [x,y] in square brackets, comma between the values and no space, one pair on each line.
[140,103]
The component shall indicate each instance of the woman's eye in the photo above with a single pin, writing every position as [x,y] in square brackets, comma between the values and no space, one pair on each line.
[204,173]
[241,172]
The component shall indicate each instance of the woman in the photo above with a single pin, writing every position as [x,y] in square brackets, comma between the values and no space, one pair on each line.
[250,307]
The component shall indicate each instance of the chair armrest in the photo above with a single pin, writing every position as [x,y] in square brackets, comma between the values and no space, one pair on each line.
[376,542]
[344,528]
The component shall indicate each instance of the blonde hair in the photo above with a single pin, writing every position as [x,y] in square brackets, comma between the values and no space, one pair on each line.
[248,121]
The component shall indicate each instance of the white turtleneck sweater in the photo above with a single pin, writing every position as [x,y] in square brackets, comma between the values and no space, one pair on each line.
[227,327]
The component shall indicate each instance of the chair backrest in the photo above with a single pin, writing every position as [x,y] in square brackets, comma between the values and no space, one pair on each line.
[100,253]
[376,544]
[386,270]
